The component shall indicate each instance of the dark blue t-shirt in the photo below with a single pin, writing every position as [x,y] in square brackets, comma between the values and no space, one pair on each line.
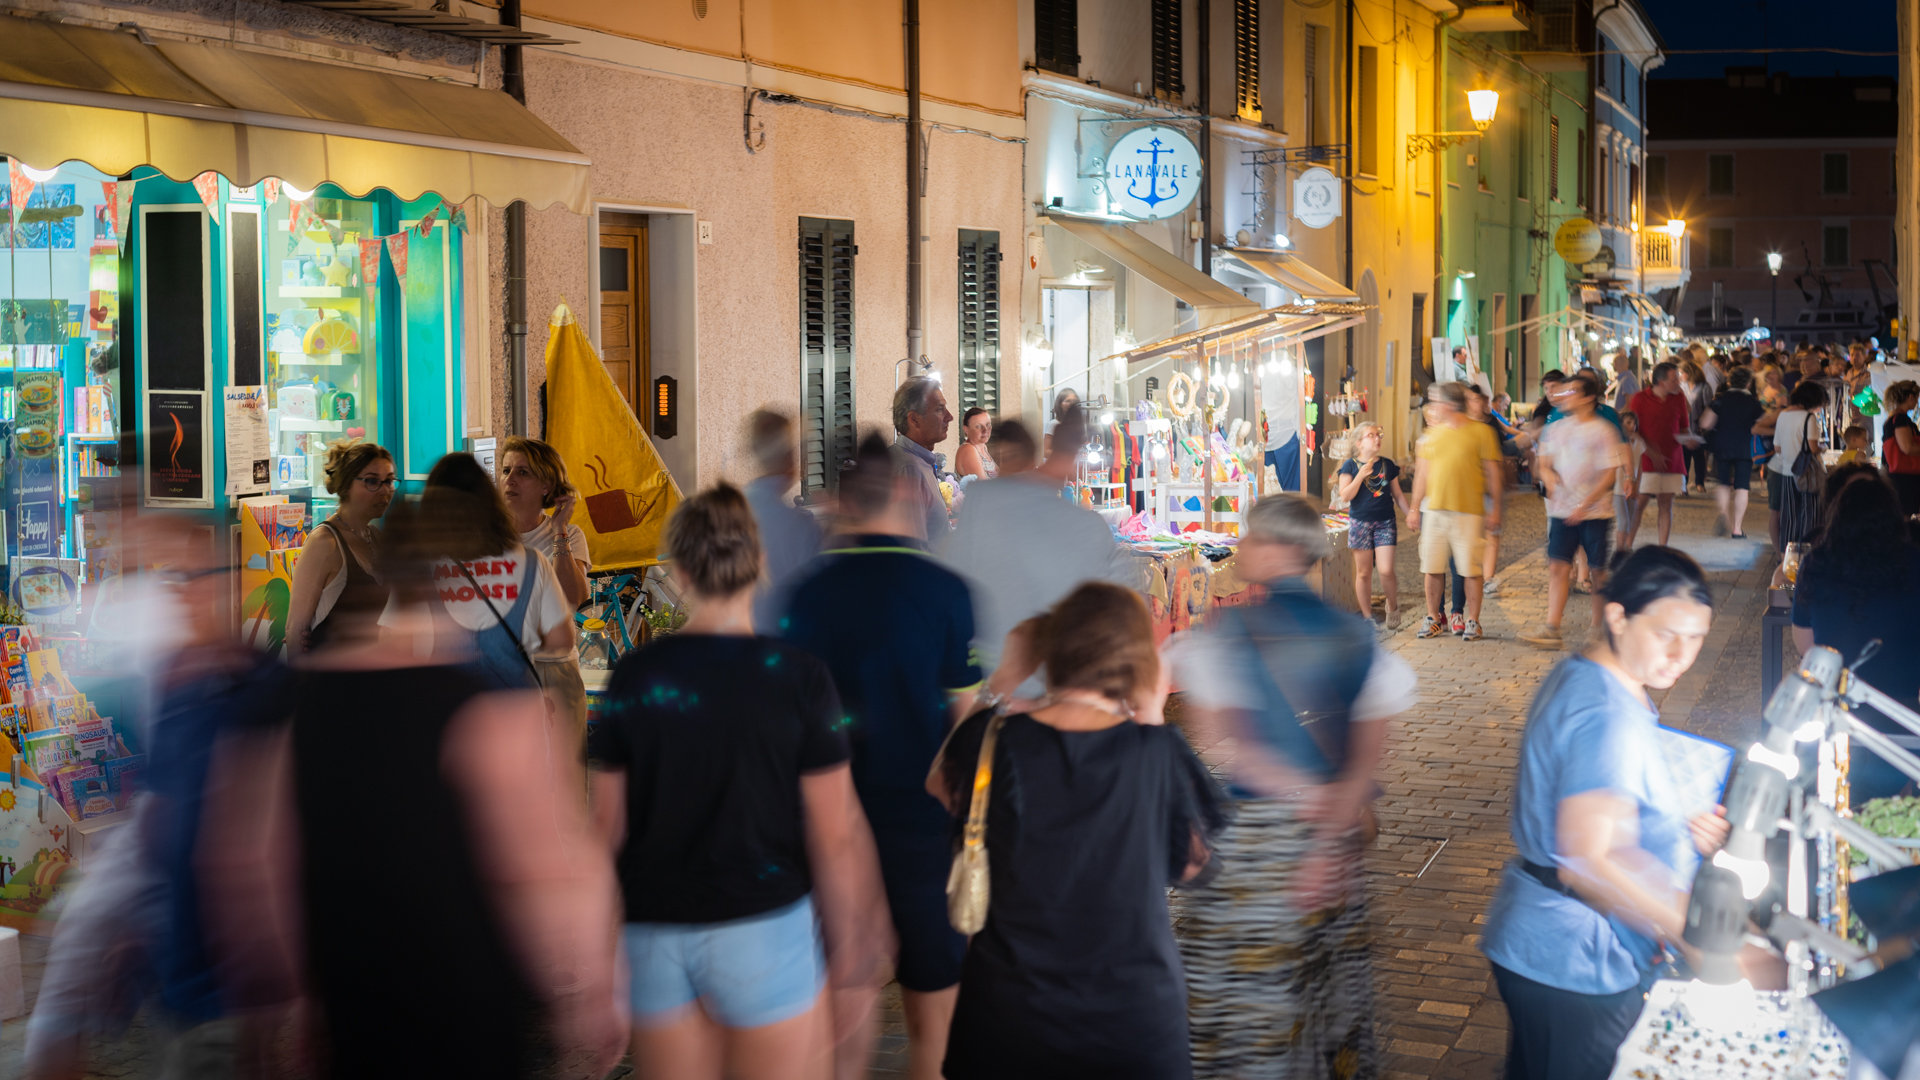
[896,629]
[1374,500]
[1845,620]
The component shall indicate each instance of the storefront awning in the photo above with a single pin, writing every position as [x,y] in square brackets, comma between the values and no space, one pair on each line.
[117,102]
[1275,327]
[1212,301]
[1291,272]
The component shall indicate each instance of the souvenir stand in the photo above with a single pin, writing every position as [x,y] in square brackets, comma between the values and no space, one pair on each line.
[213,267]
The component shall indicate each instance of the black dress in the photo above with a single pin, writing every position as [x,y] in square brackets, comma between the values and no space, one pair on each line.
[1076,973]
[406,957]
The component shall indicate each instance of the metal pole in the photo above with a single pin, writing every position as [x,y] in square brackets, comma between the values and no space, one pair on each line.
[1206,139]
[513,80]
[916,182]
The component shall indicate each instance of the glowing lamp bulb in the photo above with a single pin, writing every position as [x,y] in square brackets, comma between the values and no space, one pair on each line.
[1774,259]
[1233,379]
[1160,451]
[1286,367]
[1676,228]
[1093,458]
[1721,1008]
[1482,104]
[38,176]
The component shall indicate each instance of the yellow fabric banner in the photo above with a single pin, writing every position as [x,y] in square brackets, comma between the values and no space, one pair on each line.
[625,488]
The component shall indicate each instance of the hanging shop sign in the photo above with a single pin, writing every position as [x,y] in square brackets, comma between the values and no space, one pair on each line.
[1601,264]
[1152,173]
[1577,240]
[1316,198]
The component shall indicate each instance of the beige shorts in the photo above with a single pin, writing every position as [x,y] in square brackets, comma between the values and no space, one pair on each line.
[1662,483]
[1450,534]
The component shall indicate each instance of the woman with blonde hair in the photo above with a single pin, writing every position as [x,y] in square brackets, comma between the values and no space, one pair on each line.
[341,552]
[533,481]
[1369,484]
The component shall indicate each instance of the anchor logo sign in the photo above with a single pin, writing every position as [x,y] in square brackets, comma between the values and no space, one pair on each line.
[1153,150]
[1152,173]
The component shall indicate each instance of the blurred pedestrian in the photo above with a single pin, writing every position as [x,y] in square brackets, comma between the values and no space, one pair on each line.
[1900,444]
[1480,410]
[1580,456]
[1012,448]
[1791,513]
[487,949]
[789,535]
[1625,383]
[895,629]
[921,421]
[1065,403]
[1860,583]
[1600,885]
[1369,482]
[1092,809]
[501,592]
[973,458]
[1458,467]
[342,550]
[722,787]
[1279,981]
[533,481]
[1626,485]
[1693,386]
[1022,547]
[1665,426]
[1728,422]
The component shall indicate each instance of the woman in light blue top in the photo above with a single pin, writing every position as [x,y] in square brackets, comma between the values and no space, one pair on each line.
[1600,887]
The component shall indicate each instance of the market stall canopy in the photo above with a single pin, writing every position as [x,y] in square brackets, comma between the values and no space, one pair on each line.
[1274,327]
[1212,301]
[1290,271]
[117,101]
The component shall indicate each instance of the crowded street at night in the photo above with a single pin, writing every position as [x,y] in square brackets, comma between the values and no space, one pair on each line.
[1006,540]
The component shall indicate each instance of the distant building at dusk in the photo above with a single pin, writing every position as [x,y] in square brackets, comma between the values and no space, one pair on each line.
[1757,164]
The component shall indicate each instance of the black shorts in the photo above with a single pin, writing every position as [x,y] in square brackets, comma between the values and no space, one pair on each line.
[914,867]
[1563,539]
[1734,471]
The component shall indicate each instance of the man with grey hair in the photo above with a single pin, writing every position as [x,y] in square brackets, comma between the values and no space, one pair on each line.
[921,421]
[789,536]
[1290,698]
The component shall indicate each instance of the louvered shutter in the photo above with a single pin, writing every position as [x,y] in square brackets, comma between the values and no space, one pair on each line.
[1166,50]
[980,320]
[1056,36]
[826,352]
[1246,59]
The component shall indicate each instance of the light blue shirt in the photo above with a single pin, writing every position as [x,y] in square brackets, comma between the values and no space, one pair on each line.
[1585,732]
[789,539]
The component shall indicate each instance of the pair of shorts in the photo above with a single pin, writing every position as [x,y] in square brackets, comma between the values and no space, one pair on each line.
[1368,535]
[1662,483]
[1566,537]
[1734,472]
[914,867]
[1448,534]
[746,973]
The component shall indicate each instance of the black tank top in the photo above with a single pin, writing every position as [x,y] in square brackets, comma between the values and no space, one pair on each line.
[358,581]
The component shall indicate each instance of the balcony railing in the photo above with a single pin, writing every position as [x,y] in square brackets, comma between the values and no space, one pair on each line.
[1660,251]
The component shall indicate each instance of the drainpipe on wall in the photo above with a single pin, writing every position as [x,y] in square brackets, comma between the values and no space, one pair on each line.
[513,80]
[916,195]
[1353,164]
[1206,139]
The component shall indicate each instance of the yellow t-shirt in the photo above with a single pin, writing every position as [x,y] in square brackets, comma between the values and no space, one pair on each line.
[1456,479]
[1850,455]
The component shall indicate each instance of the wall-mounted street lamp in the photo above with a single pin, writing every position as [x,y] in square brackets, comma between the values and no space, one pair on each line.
[1481,105]
[1676,228]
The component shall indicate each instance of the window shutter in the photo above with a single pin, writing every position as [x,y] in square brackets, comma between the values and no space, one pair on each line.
[980,320]
[1553,157]
[1246,59]
[1310,84]
[1056,36]
[1167,84]
[826,352]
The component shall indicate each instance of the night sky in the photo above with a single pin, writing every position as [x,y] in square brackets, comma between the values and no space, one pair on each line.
[1708,24]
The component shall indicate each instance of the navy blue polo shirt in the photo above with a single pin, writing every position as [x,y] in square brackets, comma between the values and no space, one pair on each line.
[895,628]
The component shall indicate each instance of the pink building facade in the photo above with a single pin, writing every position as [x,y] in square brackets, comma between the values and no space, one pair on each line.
[1760,165]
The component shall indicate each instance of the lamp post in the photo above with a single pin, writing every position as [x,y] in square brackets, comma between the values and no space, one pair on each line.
[1481,106]
[1773,318]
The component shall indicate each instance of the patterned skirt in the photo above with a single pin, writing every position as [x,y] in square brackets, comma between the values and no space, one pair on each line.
[1274,992]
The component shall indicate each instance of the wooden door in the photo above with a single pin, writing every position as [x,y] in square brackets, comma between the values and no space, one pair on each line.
[623,304]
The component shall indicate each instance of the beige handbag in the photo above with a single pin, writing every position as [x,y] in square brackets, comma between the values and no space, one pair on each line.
[967,886]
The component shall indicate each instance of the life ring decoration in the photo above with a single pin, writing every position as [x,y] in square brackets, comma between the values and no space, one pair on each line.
[1180,394]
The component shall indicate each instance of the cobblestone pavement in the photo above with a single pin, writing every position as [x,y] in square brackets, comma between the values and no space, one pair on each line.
[1444,816]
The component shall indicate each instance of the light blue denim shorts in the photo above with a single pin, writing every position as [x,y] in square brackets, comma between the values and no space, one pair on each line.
[746,973]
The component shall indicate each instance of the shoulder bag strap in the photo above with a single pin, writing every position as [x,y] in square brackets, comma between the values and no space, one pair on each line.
[512,634]
[976,833]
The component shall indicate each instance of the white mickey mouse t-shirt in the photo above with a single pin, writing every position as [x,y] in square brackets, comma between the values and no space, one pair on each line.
[500,578]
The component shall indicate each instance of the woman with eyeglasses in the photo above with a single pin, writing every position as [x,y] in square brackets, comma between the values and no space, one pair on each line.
[341,552]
